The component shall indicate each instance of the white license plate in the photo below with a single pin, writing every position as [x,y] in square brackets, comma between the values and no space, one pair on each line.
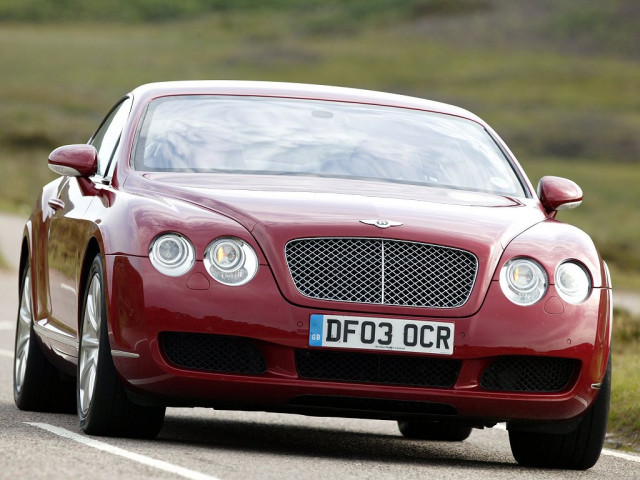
[381,334]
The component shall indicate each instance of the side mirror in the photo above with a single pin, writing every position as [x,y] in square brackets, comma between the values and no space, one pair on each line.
[74,160]
[558,193]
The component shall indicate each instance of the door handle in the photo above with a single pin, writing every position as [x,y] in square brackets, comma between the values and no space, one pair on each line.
[56,203]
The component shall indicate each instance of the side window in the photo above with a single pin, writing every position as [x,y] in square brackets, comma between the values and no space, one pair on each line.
[107,137]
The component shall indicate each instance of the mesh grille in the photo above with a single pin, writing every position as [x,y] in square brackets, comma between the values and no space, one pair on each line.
[374,368]
[529,374]
[378,271]
[212,353]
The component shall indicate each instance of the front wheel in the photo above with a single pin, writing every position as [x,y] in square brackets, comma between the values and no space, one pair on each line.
[103,405]
[576,450]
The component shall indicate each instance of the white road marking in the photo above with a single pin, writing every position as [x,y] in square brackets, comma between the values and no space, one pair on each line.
[625,456]
[136,457]
[6,353]
[605,451]
[7,325]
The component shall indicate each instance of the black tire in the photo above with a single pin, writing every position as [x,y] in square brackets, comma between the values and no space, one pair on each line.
[37,385]
[577,450]
[435,431]
[103,405]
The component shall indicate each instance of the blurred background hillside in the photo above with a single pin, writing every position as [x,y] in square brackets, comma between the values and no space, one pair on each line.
[558,79]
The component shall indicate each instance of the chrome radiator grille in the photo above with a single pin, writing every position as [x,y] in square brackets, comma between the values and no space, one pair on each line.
[379,271]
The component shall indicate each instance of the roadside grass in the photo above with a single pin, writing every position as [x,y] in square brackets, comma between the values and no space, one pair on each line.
[329,15]
[624,420]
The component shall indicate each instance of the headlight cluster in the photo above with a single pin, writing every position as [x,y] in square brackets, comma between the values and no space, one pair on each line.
[228,260]
[172,254]
[573,282]
[524,281]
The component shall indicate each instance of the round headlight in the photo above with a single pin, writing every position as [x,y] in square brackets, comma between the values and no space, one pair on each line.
[227,255]
[230,261]
[172,254]
[573,282]
[523,281]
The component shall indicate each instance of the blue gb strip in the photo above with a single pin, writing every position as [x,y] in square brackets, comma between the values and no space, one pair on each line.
[316,330]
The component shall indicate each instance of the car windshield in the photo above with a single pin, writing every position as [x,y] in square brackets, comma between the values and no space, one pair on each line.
[279,136]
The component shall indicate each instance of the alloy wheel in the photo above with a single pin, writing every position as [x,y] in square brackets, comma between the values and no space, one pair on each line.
[23,334]
[90,344]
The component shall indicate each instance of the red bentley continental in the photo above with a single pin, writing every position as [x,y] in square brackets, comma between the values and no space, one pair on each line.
[314,250]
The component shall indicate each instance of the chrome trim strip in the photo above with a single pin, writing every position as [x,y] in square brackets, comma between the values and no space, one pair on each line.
[382,285]
[56,335]
[120,353]
[569,205]
[65,355]
[596,386]
[64,171]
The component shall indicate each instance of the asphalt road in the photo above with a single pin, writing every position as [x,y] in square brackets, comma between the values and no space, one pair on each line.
[205,444]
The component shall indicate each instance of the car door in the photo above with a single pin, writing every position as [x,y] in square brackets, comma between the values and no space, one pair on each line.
[69,230]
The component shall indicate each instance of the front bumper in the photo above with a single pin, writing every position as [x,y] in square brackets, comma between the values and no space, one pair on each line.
[145,305]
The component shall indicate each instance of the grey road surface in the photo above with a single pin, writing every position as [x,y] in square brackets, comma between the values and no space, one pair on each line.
[205,444]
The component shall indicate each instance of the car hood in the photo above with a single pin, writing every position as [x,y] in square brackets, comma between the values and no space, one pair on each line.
[277,209]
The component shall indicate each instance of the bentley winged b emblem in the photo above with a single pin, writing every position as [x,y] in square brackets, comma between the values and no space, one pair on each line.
[381,223]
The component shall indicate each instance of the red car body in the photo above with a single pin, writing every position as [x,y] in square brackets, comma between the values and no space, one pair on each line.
[117,216]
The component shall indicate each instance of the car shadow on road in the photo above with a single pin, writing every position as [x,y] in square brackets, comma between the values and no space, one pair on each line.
[326,442]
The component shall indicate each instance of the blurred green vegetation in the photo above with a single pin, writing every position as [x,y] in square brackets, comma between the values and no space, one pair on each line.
[564,99]
[558,80]
[337,13]
[623,416]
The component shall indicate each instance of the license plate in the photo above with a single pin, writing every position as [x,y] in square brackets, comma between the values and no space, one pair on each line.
[381,334]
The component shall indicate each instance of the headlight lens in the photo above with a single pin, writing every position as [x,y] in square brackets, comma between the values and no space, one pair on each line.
[573,282]
[172,254]
[523,281]
[230,261]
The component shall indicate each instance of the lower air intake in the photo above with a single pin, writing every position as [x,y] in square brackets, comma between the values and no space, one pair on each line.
[374,368]
[212,353]
[529,374]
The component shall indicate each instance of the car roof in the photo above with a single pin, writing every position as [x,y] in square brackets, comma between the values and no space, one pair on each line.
[147,92]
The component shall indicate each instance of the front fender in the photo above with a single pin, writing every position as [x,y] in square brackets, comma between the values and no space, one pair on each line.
[131,222]
[551,243]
